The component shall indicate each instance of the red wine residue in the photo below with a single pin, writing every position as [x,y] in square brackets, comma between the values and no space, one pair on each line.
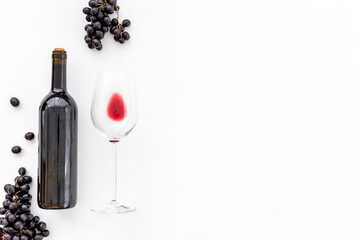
[116,109]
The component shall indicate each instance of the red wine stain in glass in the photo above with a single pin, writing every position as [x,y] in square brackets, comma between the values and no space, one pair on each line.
[116,109]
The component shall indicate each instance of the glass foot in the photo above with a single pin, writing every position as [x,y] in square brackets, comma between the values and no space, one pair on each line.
[113,208]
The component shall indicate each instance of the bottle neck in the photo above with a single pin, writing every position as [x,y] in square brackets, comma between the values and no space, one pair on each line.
[58,75]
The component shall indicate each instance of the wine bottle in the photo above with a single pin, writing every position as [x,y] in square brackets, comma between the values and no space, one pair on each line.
[57,173]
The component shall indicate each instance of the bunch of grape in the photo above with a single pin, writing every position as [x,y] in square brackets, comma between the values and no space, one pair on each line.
[18,222]
[98,14]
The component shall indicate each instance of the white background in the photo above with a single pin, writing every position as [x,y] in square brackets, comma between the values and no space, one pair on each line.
[249,117]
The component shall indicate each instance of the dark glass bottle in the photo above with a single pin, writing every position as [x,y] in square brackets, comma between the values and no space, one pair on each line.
[57,174]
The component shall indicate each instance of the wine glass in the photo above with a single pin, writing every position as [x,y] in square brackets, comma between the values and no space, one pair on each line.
[114,114]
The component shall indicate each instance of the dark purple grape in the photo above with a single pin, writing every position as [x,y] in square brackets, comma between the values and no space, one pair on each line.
[16,149]
[38,237]
[93,3]
[25,208]
[90,30]
[4,222]
[26,197]
[100,15]
[114,22]
[94,11]
[6,188]
[112,2]
[107,21]
[28,179]
[28,232]
[12,190]
[9,197]
[109,9]
[24,237]
[121,41]
[2,211]
[97,25]
[18,225]
[25,188]
[45,233]
[86,10]
[87,39]
[99,34]
[11,230]
[117,37]
[6,204]
[105,29]
[93,19]
[14,101]
[41,226]
[117,32]
[20,180]
[29,136]
[96,42]
[87,26]
[112,29]
[88,18]
[22,171]
[125,35]
[126,23]
[13,207]
[99,48]
[12,218]
[23,217]
[32,225]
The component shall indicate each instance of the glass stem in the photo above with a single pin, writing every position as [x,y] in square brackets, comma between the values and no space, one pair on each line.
[116,169]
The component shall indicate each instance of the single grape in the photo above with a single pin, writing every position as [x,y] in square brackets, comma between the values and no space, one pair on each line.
[11,230]
[125,35]
[87,26]
[38,237]
[100,15]
[23,217]
[29,217]
[94,11]
[109,9]
[16,149]
[28,179]
[26,197]
[107,21]
[97,25]
[14,102]
[105,29]
[88,18]
[4,222]
[12,190]
[93,3]
[11,218]
[126,23]
[99,34]
[32,225]
[121,41]
[18,225]
[23,237]
[13,207]
[9,197]
[28,232]
[6,204]
[6,187]
[93,19]
[87,39]
[29,136]
[117,32]
[114,22]
[25,208]
[22,171]
[90,30]
[25,188]
[2,211]
[96,42]
[86,10]
[45,233]
[20,180]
